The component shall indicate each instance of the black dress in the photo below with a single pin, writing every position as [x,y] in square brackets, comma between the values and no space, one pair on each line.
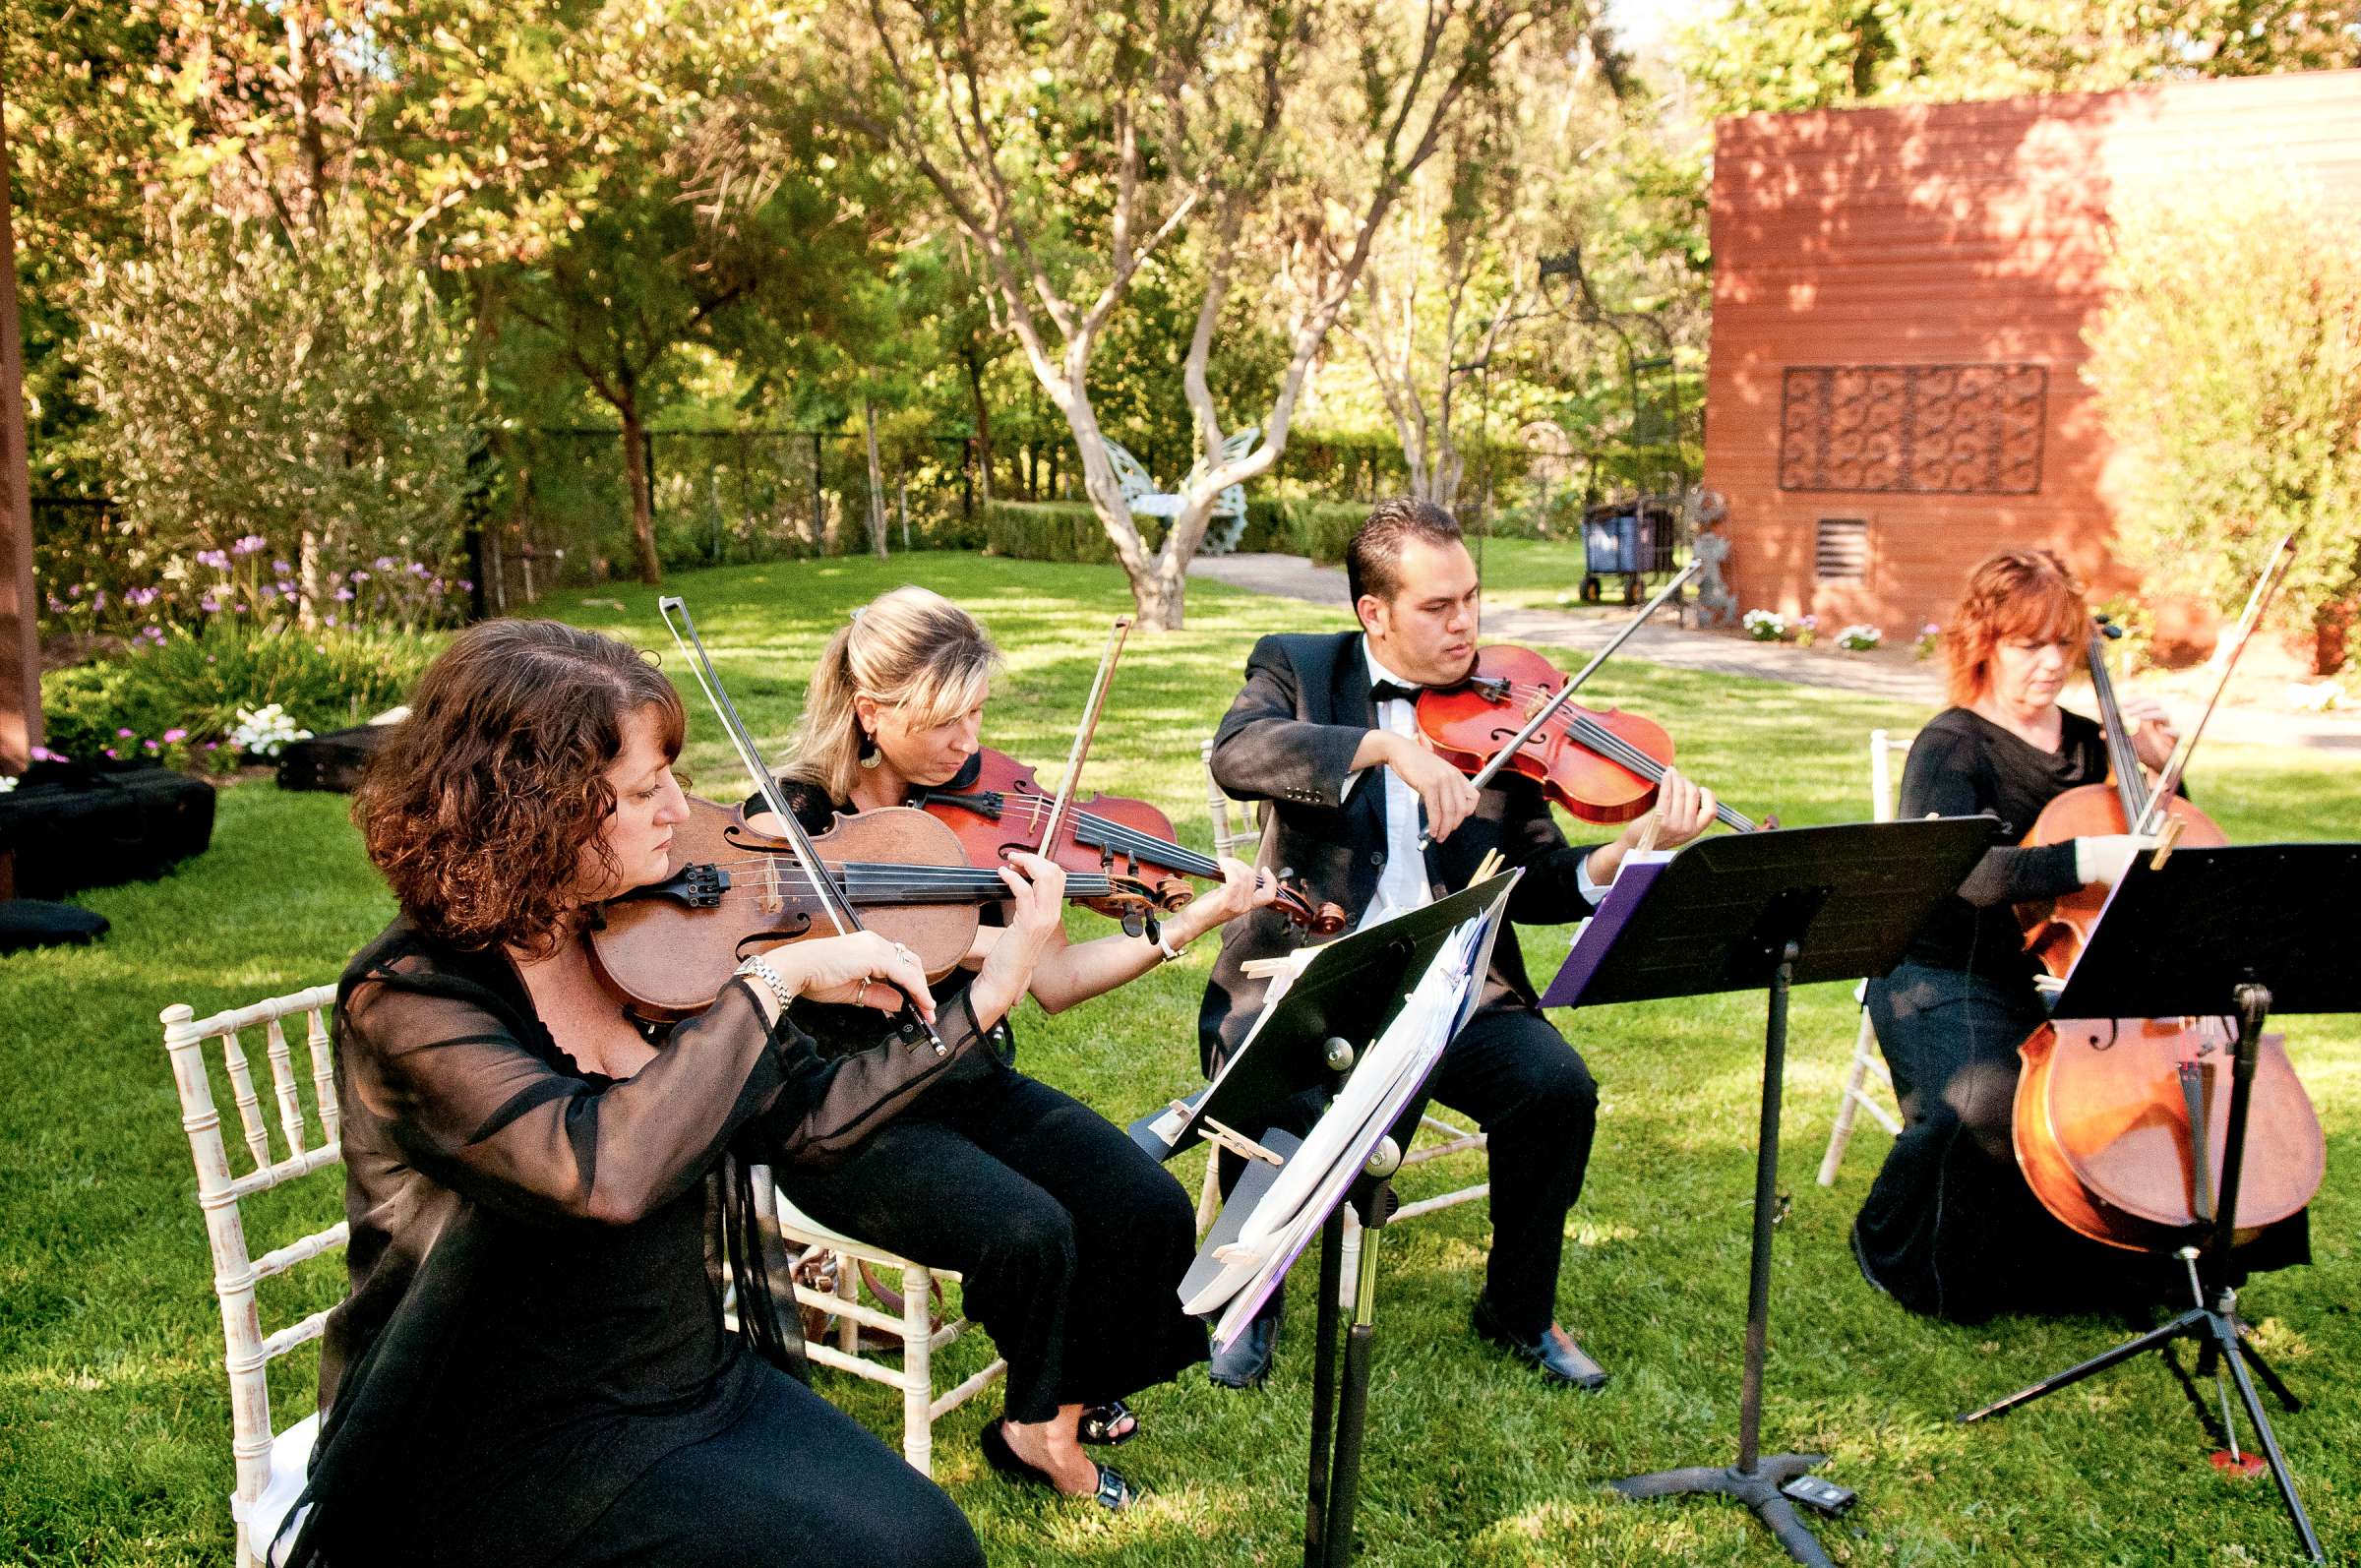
[1951,1228]
[1070,1242]
[532,1366]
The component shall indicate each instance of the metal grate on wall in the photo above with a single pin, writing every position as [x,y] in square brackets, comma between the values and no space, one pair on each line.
[1840,553]
[1924,429]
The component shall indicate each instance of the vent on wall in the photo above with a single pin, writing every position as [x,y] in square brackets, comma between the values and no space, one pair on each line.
[1841,554]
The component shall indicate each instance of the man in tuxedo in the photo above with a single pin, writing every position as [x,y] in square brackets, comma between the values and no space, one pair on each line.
[1325,732]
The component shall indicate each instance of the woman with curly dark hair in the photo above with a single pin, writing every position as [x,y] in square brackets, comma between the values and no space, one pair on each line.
[532,1366]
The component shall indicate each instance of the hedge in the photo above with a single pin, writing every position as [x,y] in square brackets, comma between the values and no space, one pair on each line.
[1069,530]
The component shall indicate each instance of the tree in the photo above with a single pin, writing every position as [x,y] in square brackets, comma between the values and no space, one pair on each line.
[1072,145]
[1811,54]
[2227,362]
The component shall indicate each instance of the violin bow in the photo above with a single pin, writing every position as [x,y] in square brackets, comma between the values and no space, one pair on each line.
[1063,807]
[1565,694]
[833,896]
[2169,782]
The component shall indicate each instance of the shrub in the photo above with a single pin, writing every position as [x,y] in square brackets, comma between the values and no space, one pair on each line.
[316,404]
[1859,639]
[198,684]
[1069,530]
[1765,625]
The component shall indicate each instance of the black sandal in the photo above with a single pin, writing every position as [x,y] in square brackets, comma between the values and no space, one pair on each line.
[1114,1494]
[1099,1422]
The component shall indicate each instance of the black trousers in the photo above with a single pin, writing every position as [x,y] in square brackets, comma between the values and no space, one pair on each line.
[1070,1240]
[1950,1227]
[1539,1106]
[792,1481]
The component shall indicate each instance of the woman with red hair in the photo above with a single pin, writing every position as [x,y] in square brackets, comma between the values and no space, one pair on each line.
[1951,1228]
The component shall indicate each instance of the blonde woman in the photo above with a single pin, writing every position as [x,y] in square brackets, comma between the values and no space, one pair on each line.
[1069,1238]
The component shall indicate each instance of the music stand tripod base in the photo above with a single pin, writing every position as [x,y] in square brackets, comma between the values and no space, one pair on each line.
[1758,1489]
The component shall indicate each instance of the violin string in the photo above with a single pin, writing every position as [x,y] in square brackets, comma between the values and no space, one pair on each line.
[1031,810]
[1596,737]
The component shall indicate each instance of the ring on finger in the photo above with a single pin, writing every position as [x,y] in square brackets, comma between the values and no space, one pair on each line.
[861,991]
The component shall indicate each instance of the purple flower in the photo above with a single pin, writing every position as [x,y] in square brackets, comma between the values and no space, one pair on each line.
[123,734]
[214,558]
[1810,623]
[344,596]
[281,568]
[213,746]
[99,600]
[465,586]
[43,754]
[270,592]
[332,620]
[1930,630]
[252,544]
[358,575]
[141,598]
[74,591]
[57,606]
[175,736]
[110,754]
[418,570]
[210,605]
[152,746]
[385,563]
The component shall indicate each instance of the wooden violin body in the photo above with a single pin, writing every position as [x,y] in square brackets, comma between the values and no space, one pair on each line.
[729,891]
[1603,766]
[1005,809]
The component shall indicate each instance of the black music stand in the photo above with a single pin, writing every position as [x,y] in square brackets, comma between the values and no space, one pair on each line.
[2230,932]
[1318,1032]
[1773,909]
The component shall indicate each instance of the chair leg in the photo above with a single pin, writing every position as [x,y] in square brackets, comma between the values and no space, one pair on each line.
[1209,1191]
[1349,1257]
[1847,1105]
[848,1289]
[917,1369]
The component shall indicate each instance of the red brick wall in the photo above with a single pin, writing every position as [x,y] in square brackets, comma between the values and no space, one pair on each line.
[1962,234]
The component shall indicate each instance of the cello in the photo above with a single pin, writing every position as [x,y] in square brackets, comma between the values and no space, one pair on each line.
[2120,1123]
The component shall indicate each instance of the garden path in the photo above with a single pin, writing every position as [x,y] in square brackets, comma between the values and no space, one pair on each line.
[1663,642]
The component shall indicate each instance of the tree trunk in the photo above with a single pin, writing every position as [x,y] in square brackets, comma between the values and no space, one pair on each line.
[643,500]
[876,479]
[975,392]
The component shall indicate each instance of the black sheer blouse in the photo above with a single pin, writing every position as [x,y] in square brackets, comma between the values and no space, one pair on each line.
[532,1322]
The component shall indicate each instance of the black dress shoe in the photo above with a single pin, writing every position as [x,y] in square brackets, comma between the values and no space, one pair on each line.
[1246,1360]
[1560,1360]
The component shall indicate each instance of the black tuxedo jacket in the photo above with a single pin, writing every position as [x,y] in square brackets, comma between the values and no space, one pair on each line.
[1288,741]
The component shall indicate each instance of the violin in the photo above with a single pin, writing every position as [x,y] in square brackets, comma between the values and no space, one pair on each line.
[2121,1124]
[1602,766]
[999,806]
[728,890]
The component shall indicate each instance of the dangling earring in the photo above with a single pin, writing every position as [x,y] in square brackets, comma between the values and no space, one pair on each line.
[868,754]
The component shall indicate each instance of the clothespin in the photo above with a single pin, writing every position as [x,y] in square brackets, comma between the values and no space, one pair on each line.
[1487,867]
[1647,832]
[2165,840]
[1237,1143]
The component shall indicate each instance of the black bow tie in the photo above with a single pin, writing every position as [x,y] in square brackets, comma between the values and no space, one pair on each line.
[1394,691]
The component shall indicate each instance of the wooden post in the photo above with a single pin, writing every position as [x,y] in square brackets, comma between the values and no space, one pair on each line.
[19,639]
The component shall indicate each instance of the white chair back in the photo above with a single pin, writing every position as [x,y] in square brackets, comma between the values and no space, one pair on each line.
[1866,1063]
[270,1469]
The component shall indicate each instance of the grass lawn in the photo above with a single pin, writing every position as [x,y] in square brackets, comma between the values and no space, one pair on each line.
[113,1416]
[1546,575]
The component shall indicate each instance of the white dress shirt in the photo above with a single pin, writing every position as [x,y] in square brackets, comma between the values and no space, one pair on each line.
[1403,884]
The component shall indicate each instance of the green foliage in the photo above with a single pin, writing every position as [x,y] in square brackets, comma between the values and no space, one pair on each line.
[1069,530]
[1809,54]
[2227,362]
[315,398]
[198,681]
[1053,530]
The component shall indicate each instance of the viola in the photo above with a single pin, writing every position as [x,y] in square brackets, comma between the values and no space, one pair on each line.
[728,890]
[1602,766]
[2121,1124]
[1002,807]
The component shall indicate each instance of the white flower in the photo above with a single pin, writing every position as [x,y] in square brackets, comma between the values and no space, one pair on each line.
[8,781]
[266,731]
